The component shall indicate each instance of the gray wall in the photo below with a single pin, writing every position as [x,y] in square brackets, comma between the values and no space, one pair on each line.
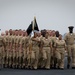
[50,14]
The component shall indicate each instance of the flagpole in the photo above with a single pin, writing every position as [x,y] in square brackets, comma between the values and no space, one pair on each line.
[33,23]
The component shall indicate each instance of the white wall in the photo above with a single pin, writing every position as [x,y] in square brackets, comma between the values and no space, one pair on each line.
[50,14]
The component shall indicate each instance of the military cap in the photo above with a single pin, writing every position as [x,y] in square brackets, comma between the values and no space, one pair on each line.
[71,27]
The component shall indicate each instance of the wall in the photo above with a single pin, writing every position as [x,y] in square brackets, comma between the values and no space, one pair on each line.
[50,14]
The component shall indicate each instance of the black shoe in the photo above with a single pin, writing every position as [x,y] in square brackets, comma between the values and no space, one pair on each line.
[61,68]
[73,67]
[58,67]
[51,67]
[55,66]
[17,66]
[13,66]
[23,67]
[0,67]
[6,66]
[10,66]
[68,66]
[47,69]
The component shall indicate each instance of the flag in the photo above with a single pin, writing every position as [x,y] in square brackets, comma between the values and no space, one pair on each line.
[35,24]
[29,29]
[32,27]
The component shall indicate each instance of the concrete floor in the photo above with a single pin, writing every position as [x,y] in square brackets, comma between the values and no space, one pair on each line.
[6,71]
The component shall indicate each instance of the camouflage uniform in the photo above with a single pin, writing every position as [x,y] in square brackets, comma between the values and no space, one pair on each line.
[46,51]
[7,49]
[53,58]
[29,49]
[35,53]
[10,51]
[17,50]
[20,52]
[60,52]
[2,43]
[24,45]
[40,53]
[4,53]
[13,51]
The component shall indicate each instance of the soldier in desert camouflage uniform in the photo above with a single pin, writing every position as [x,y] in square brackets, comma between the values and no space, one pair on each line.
[2,45]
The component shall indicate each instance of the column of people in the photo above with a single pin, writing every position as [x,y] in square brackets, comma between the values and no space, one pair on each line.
[46,49]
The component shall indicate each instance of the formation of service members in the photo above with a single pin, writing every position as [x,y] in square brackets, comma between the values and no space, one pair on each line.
[46,49]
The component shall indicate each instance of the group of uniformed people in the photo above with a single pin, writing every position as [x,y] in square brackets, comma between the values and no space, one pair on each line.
[43,50]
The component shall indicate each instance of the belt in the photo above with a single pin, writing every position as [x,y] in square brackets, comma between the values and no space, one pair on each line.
[70,44]
[6,42]
[59,47]
[46,46]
